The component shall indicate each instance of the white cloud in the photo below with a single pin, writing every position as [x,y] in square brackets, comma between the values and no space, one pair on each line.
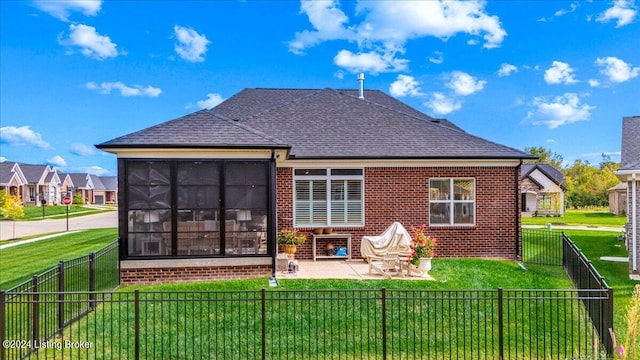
[399,21]
[437,58]
[386,26]
[191,46]
[559,73]
[211,101]
[442,105]
[81,149]
[594,83]
[464,84]
[339,74]
[3,159]
[371,62]
[96,170]
[571,9]
[22,135]
[405,85]
[327,20]
[91,43]
[622,10]
[617,70]
[558,111]
[135,90]
[61,8]
[57,161]
[507,69]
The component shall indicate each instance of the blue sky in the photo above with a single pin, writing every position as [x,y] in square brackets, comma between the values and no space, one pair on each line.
[557,74]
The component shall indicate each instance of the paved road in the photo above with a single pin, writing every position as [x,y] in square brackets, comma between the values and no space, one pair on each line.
[28,228]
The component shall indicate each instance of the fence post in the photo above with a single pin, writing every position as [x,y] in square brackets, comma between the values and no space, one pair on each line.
[607,323]
[60,297]
[136,323]
[35,308]
[384,323]
[2,323]
[92,281]
[500,324]
[263,308]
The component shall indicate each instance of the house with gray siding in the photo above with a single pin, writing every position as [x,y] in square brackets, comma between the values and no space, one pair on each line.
[629,172]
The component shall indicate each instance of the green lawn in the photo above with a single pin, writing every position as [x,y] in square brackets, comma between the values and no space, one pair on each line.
[599,217]
[20,263]
[595,244]
[57,212]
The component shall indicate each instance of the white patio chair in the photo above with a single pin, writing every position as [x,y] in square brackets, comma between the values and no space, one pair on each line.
[388,264]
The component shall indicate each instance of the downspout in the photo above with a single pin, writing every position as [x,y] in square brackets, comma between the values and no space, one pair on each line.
[634,221]
[273,223]
[517,176]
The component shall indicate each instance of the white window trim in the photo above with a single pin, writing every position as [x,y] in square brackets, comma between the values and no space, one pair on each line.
[452,202]
[327,178]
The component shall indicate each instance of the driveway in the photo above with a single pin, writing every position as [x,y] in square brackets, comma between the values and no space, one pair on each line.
[35,227]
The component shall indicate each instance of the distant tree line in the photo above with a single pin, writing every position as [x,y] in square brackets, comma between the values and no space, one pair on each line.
[586,184]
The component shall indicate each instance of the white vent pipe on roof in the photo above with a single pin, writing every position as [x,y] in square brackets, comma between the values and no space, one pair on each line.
[361,81]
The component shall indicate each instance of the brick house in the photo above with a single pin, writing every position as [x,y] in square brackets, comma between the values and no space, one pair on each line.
[629,173]
[31,182]
[542,190]
[203,196]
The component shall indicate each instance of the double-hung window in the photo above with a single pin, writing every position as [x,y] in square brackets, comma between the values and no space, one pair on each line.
[324,197]
[452,201]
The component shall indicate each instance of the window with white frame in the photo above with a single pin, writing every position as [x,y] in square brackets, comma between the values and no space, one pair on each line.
[452,201]
[328,197]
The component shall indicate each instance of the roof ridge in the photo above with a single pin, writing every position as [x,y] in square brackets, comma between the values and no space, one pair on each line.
[245,127]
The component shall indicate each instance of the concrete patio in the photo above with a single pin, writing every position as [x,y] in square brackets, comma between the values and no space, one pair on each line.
[341,269]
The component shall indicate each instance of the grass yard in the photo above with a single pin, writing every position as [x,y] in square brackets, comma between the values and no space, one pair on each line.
[595,244]
[57,212]
[189,321]
[20,263]
[599,217]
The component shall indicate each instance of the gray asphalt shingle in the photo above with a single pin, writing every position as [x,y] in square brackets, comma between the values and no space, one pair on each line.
[320,123]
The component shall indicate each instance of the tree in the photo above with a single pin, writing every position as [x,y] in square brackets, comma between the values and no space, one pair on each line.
[77,200]
[12,208]
[545,156]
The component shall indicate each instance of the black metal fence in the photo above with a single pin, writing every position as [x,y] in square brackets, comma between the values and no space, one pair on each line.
[38,309]
[66,313]
[323,324]
[542,247]
[556,248]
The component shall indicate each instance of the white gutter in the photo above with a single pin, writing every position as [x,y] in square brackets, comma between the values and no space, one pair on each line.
[634,222]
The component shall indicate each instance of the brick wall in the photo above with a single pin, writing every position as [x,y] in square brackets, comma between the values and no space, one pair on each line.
[149,276]
[401,194]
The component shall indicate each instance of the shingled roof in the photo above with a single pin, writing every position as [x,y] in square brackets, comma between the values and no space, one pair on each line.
[549,171]
[630,143]
[319,124]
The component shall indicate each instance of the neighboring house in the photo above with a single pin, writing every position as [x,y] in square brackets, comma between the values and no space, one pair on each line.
[542,190]
[203,196]
[618,199]
[43,183]
[36,183]
[106,189]
[629,173]
[11,178]
[81,183]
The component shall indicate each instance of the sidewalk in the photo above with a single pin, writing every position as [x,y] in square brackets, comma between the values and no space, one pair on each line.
[47,226]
